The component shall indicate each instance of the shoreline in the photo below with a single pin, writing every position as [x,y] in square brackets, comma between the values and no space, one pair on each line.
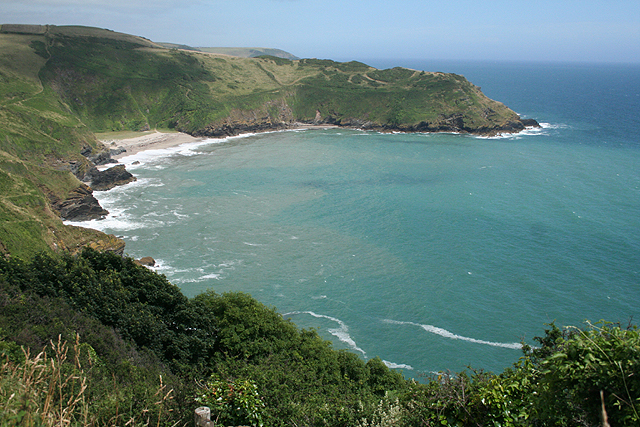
[162,140]
[157,140]
[150,141]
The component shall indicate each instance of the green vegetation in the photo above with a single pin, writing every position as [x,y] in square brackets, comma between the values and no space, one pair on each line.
[137,327]
[108,342]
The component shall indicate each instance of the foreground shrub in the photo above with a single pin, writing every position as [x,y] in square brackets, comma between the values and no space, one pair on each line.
[588,370]
[144,347]
[232,402]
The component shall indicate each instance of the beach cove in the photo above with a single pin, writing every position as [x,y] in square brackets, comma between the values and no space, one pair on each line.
[432,251]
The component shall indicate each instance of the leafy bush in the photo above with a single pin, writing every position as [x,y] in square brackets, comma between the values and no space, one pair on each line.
[590,369]
[232,402]
[567,381]
[110,301]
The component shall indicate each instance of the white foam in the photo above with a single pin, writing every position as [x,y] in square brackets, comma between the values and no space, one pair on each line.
[392,365]
[161,267]
[215,276]
[527,131]
[117,220]
[342,333]
[554,126]
[447,334]
[188,149]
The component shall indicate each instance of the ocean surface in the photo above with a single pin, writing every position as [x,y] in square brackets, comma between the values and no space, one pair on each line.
[432,251]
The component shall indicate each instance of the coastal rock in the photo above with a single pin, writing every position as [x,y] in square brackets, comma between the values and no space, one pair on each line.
[116,151]
[109,243]
[106,180]
[99,158]
[273,115]
[80,205]
[146,261]
[530,123]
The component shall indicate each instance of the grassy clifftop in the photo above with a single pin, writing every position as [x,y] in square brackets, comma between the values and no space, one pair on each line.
[60,85]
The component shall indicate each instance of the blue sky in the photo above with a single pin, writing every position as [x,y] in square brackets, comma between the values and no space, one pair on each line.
[565,30]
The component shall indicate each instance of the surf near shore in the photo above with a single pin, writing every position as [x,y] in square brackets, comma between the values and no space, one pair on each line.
[125,145]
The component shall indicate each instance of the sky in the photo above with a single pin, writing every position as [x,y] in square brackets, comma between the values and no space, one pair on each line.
[494,30]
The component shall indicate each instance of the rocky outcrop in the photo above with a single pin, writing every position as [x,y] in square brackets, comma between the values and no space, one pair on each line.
[107,179]
[80,205]
[147,261]
[100,158]
[530,123]
[273,115]
[449,124]
[458,125]
[109,243]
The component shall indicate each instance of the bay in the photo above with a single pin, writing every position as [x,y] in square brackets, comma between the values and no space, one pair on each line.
[431,251]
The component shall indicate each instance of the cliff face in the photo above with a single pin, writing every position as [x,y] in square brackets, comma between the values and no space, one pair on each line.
[80,205]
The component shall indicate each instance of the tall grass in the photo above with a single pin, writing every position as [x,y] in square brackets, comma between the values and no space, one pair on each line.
[44,390]
[50,389]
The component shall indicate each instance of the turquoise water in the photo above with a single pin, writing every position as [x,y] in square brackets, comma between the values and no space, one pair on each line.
[431,251]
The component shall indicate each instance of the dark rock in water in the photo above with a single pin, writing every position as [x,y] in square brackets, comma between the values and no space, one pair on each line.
[80,205]
[146,261]
[530,123]
[106,180]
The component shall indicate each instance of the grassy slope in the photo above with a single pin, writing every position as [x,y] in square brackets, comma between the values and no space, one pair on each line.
[60,85]
[39,135]
[119,84]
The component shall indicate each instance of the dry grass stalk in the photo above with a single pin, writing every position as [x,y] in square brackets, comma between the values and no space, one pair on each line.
[51,391]
[42,393]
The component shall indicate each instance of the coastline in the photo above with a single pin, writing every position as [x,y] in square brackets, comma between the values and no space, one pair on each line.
[157,140]
[151,141]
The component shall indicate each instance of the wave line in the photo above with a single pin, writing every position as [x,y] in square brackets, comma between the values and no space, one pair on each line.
[447,334]
[342,333]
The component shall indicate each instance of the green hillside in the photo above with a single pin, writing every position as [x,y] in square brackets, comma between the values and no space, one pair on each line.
[61,85]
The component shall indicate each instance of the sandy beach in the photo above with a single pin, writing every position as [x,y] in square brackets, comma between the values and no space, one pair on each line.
[159,140]
[148,141]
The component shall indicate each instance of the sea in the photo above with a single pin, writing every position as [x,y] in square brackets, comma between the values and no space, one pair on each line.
[434,252]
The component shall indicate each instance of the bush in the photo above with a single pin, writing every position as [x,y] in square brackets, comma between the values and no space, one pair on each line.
[143,346]
[590,369]
[232,402]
